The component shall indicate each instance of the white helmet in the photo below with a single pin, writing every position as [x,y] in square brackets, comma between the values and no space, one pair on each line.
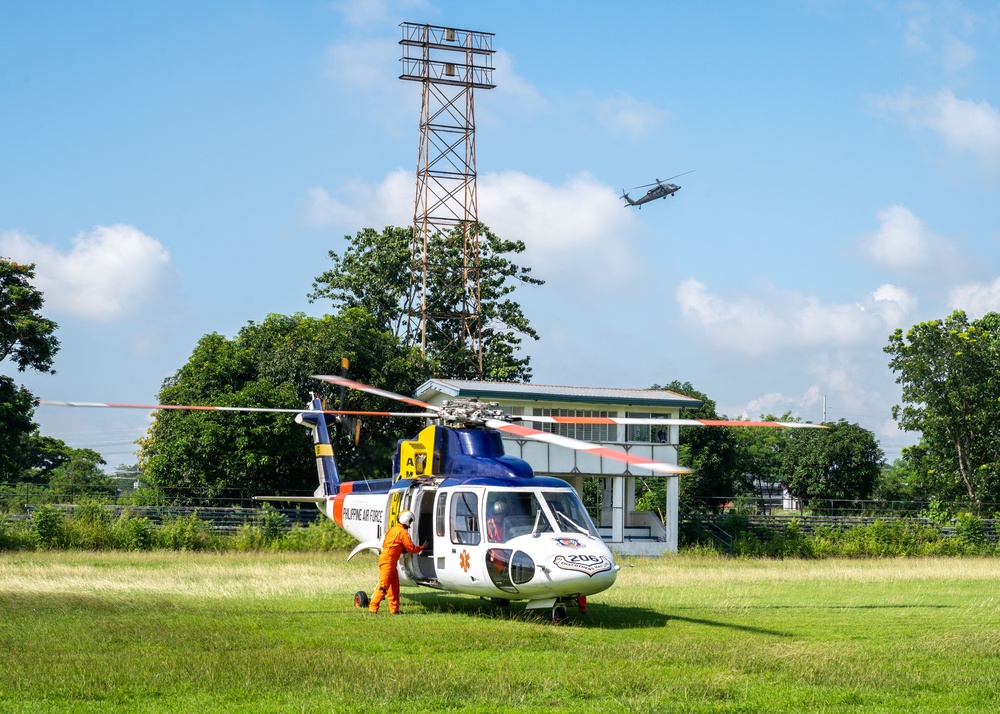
[406,518]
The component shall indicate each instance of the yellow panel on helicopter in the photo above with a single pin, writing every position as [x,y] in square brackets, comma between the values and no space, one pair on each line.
[416,457]
[395,500]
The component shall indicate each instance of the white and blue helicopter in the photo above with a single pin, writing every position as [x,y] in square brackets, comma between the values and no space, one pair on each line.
[493,528]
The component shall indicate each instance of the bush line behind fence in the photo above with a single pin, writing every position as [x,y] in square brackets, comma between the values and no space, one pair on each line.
[96,526]
[851,536]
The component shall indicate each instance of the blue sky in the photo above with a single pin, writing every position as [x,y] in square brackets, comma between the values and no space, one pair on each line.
[180,168]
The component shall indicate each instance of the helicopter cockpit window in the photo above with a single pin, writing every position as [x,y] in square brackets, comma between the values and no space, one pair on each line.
[570,515]
[465,518]
[510,514]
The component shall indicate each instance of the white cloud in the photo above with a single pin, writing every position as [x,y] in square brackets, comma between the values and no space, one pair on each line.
[891,303]
[913,36]
[111,272]
[361,12]
[976,299]
[774,323]
[370,65]
[577,229]
[322,210]
[372,12]
[963,125]
[957,55]
[626,114]
[388,203]
[931,28]
[777,403]
[514,93]
[906,244]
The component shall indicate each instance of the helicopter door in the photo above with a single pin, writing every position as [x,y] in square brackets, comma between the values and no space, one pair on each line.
[460,559]
[424,533]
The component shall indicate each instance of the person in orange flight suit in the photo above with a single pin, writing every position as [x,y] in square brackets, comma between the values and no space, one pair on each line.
[395,541]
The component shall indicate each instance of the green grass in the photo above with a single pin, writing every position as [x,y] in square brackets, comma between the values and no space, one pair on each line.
[277,632]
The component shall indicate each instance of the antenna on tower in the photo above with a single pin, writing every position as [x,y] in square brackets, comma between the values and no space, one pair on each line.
[449,63]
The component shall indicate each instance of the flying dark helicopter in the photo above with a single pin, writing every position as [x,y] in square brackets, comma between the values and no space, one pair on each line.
[661,189]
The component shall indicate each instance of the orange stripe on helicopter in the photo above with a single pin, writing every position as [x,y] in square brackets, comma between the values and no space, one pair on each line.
[338,509]
[346,487]
[519,430]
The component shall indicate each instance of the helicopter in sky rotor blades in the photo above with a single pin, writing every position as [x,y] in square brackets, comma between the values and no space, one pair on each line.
[660,189]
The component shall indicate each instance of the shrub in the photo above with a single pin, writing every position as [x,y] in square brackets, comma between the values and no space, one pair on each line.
[88,528]
[131,533]
[324,535]
[143,496]
[187,533]
[272,524]
[47,527]
[792,543]
[969,530]
[14,536]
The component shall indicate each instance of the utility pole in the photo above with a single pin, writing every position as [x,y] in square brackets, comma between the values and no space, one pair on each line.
[449,63]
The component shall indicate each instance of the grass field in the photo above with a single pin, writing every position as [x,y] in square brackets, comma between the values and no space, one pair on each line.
[183,632]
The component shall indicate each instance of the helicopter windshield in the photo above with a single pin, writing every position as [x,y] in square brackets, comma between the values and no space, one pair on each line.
[510,514]
[569,513]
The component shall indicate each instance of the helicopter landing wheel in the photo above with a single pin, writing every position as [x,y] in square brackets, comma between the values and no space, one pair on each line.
[559,614]
[361,599]
[500,601]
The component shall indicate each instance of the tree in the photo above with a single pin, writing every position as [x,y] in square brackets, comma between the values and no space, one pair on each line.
[16,409]
[712,452]
[950,375]
[42,456]
[374,273]
[761,450]
[25,336]
[269,365]
[81,474]
[28,339]
[840,463]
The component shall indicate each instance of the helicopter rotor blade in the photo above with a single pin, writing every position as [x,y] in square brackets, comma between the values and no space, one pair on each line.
[679,175]
[351,384]
[667,422]
[575,444]
[259,410]
[660,182]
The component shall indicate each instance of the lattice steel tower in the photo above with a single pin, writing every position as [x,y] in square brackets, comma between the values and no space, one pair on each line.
[450,64]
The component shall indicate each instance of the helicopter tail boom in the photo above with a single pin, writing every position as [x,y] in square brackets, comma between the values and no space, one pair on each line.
[326,465]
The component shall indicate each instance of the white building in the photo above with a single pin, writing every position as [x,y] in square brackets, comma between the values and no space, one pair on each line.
[626,530]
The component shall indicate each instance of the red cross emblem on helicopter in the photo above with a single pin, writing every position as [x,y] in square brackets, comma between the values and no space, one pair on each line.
[464,561]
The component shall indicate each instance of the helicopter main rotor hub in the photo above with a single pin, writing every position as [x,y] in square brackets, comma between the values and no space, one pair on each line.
[470,412]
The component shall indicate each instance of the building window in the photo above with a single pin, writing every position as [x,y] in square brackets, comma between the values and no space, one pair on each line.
[584,432]
[648,432]
[639,432]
